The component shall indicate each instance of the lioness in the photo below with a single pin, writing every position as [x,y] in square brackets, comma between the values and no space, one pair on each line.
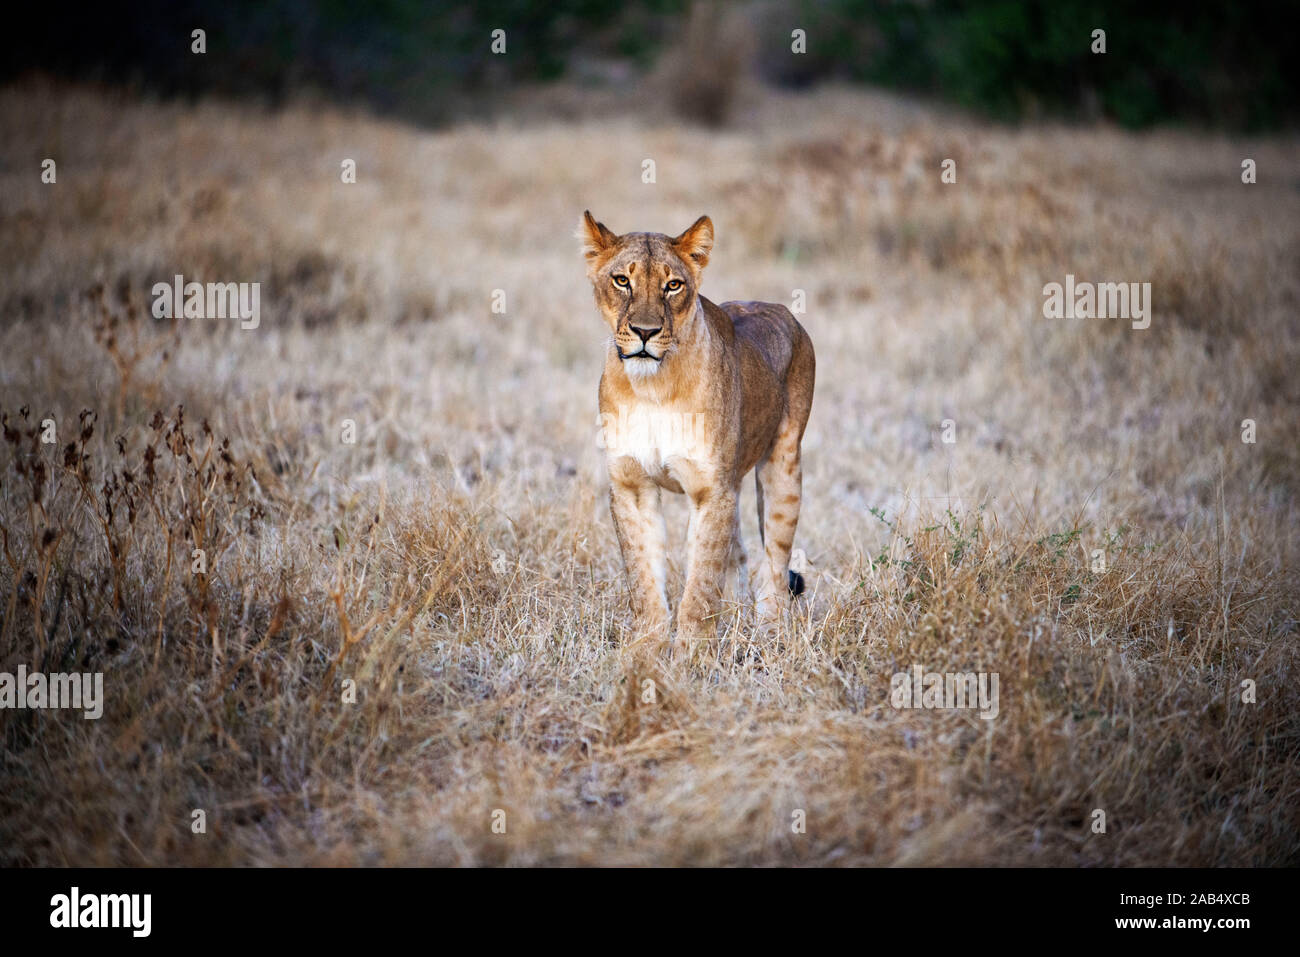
[693,396]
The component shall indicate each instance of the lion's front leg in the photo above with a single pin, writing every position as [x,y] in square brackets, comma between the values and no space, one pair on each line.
[713,516]
[639,524]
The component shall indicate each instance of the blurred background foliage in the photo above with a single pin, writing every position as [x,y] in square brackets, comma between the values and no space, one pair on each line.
[1222,64]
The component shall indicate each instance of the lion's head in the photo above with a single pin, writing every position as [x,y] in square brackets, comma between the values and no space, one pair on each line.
[646,287]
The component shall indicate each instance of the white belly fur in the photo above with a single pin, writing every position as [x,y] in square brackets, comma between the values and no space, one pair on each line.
[654,435]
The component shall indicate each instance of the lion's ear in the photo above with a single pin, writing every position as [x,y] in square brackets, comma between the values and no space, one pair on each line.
[596,239]
[695,244]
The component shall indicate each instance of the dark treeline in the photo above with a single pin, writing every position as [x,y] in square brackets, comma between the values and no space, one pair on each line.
[1223,64]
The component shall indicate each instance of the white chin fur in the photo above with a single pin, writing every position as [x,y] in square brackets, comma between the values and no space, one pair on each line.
[641,368]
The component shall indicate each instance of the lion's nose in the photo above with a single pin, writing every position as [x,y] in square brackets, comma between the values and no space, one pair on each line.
[646,332]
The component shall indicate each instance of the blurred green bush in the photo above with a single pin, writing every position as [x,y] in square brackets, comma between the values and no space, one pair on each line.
[1223,64]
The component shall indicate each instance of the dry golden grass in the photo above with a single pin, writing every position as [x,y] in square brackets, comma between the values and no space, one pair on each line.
[457,562]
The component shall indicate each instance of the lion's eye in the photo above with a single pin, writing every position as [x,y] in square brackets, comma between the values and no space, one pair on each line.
[673,285]
[621,281]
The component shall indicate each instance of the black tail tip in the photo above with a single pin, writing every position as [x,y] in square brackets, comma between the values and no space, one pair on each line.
[796,583]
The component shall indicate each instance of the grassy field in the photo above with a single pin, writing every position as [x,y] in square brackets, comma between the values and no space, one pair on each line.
[456,566]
